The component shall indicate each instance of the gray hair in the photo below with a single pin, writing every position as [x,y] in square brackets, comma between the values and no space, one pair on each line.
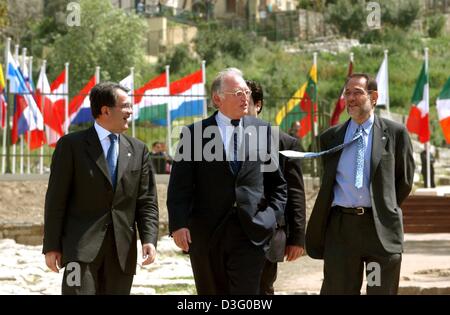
[217,84]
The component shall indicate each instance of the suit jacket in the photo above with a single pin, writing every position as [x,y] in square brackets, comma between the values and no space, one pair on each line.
[202,191]
[80,202]
[291,229]
[391,180]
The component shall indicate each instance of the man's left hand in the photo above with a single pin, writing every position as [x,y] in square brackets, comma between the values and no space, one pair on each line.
[148,253]
[293,252]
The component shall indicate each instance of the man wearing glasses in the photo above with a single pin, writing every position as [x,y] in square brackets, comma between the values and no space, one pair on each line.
[101,188]
[223,205]
[357,218]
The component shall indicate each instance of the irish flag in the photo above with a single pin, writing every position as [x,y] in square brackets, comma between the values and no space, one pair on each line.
[300,105]
[443,109]
[418,115]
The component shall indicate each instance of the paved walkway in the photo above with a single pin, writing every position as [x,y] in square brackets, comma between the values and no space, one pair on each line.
[425,268]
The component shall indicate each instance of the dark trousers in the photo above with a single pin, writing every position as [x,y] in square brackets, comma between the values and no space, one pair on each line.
[351,241]
[231,265]
[101,276]
[268,278]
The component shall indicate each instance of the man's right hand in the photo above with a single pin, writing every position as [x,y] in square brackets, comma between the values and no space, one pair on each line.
[53,261]
[182,238]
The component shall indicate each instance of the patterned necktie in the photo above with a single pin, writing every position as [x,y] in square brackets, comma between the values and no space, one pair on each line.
[359,158]
[111,158]
[235,164]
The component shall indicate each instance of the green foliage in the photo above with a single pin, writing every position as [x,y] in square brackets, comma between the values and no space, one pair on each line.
[435,25]
[4,20]
[400,13]
[107,37]
[346,16]
[214,41]
[179,59]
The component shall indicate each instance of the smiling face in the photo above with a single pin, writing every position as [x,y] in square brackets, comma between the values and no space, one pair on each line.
[231,105]
[115,119]
[360,102]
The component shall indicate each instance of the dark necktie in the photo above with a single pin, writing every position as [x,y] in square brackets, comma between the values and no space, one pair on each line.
[359,158]
[111,158]
[235,164]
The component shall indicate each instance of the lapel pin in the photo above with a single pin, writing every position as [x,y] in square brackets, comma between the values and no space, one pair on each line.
[384,138]
[129,154]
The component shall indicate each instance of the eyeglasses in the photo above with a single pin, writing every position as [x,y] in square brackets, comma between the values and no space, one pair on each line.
[125,106]
[240,93]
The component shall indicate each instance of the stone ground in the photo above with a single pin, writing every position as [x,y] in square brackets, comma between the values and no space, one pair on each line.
[425,267]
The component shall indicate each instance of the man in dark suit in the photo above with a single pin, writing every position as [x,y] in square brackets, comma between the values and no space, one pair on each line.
[101,187]
[289,239]
[226,192]
[357,217]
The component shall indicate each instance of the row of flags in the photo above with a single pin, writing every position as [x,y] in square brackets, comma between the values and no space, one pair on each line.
[43,113]
[303,103]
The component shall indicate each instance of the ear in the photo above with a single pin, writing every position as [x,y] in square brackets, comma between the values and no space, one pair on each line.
[104,110]
[217,99]
[374,97]
[258,106]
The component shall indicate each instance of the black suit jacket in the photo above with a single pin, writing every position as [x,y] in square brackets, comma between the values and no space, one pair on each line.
[391,180]
[202,192]
[80,201]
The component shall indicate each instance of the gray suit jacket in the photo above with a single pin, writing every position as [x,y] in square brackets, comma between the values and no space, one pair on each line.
[391,180]
[81,202]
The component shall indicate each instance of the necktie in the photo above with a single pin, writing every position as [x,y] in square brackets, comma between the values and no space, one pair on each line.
[235,164]
[359,158]
[111,158]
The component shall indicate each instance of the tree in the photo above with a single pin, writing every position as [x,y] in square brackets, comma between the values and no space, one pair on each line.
[107,37]
[347,16]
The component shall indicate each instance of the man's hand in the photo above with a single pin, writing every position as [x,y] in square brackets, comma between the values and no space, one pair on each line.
[53,261]
[182,238]
[293,252]
[148,253]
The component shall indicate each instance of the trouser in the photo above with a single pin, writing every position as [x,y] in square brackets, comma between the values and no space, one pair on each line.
[101,276]
[350,242]
[268,278]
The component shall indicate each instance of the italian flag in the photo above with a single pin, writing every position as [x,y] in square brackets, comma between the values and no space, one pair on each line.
[418,115]
[443,109]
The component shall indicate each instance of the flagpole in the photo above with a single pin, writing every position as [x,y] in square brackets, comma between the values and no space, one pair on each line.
[314,130]
[387,83]
[66,98]
[41,158]
[169,122]
[5,130]
[13,168]
[97,75]
[24,54]
[427,96]
[205,105]
[30,78]
[133,125]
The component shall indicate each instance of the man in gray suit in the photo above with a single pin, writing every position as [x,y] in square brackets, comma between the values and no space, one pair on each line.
[357,217]
[101,188]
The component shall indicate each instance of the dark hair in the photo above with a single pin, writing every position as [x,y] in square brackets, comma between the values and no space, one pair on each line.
[104,94]
[257,92]
[155,143]
[371,84]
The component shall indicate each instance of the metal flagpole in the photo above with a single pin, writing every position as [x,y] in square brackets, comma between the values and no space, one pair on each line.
[169,122]
[387,83]
[41,158]
[24,54]
[6,129]
[13,167]
[66,98]
[205,104]
[97,75]
[427,98]
[314,131]
[133,125]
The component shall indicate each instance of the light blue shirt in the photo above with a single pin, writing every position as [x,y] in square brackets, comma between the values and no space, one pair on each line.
[104,139]
[345,192]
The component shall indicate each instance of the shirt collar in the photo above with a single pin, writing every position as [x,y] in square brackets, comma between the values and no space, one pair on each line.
[224,120]
[367,125]
[102,132]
